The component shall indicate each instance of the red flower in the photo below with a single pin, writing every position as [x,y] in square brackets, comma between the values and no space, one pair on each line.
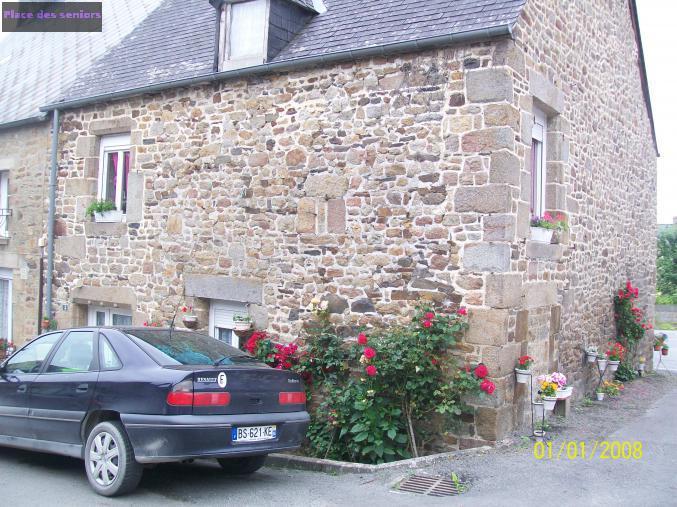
[430,315]
[184,309]
[481,371]
[434,361]
[369,353]
[362,339]
[462,311]
[621,294]
[371,370]
[427,324]
[524,360]
[488,386]
[635,292]
[145,324]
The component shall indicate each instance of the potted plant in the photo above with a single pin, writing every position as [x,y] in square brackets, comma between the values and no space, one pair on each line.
[601,363]
[612,388]
[188,318]
[641,365]
[242,322]
[103,211]
[591,353]
[563,390]
[542,228]
[548,392]
[46,323]
[615,355]
[600,393]
[664,349]
[657,344]
[522,369]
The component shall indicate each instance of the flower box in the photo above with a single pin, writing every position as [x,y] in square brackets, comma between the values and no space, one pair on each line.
[591,356]
[541,234]
[108,216]
[242,326]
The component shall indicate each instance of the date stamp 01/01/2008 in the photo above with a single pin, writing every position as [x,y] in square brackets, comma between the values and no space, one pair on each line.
[599,449]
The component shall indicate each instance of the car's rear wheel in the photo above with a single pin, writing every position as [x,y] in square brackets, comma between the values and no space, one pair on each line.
[242,466]
[109,460]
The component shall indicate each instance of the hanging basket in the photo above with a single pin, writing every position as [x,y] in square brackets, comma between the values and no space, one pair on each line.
[522,376]
[190,321]
[601,364]
[242,326]
[600,396]
[613,365]
[549,402]
[591,357]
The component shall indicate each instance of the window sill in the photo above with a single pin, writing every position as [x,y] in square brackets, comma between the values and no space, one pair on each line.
[546,251]
[114,229]
[4,240]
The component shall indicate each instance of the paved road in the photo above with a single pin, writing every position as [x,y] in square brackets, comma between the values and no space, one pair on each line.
[507,476]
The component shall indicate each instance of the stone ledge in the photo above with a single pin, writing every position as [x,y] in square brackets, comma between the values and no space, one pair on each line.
[112,229]
[548,251]
[344,467]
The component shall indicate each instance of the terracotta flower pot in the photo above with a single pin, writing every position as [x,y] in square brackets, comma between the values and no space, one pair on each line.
[664,352]
[656,348]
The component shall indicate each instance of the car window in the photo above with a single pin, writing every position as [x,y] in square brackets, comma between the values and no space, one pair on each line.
[107,356]
[30,358]
[185,347]
[75,354]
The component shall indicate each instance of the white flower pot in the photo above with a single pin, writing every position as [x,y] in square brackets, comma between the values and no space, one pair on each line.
[522,376]
[640,367]
[108,216]
[591,357]
[242,326]
[564,392]
[190,321]
[601,364]
[600,396]
[541,234]
[613,365]
[549,402]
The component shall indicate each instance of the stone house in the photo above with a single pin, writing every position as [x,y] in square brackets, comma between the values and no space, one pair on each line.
[36,69]
[375,154]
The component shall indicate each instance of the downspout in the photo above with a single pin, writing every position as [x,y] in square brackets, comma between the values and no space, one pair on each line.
[217,37]
[52,211]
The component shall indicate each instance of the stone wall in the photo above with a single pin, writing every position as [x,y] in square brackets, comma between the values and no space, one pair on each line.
[24,152]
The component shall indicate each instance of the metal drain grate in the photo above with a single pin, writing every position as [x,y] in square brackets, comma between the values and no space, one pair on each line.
[431,486]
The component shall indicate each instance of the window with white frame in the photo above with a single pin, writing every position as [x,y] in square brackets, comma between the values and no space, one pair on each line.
[5,212]
[6,304]
[243,33]
[221,320]
[108,316]
[114,161]
[538,166]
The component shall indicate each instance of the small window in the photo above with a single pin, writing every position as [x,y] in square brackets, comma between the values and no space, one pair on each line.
[75,354]
[538,165]
[243,34]
[109,359]
[30,358]
[5,212]
[114,165]
[222,320]
[6,304]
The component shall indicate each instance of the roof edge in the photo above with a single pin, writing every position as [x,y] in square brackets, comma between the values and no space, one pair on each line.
[470,36]
[642,71]
[24,121]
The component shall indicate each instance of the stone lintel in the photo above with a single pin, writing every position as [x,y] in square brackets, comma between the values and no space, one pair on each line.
[226,288]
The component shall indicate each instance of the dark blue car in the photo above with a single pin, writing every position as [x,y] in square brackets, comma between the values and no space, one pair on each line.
[120,398]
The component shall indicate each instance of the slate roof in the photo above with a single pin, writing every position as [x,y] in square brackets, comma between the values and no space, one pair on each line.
[176,41]
[37,68]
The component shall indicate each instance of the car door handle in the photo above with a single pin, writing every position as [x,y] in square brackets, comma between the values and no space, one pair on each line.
[22,388]
[82,388]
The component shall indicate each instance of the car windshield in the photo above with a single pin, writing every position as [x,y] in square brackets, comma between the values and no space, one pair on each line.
[186,348]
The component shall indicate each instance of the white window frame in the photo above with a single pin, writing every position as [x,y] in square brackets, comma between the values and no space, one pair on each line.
[109,311]
[118,143]
[538,158]
[4,204]
[221,315]
[6,274]
[225,42]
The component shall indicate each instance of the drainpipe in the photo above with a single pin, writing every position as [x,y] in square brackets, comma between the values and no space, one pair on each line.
[52,211]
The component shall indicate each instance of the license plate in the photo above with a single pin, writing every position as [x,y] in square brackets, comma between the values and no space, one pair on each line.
[253,433]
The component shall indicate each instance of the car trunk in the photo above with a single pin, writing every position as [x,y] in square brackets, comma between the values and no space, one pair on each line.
[253,389]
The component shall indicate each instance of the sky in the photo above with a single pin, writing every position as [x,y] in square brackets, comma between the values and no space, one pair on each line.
[659,38]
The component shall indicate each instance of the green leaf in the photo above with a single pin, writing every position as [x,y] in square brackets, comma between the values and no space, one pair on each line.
[361,436]
[392,433]
[402,438]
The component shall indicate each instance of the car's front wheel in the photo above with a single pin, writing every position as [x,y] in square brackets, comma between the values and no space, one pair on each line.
[109,460]
[242,466]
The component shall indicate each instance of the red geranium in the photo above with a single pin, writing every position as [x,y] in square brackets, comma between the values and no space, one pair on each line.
[369,353]
[462,311]
[430,315]
[481,371]
[427,324]
[371,370]
[362,339]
